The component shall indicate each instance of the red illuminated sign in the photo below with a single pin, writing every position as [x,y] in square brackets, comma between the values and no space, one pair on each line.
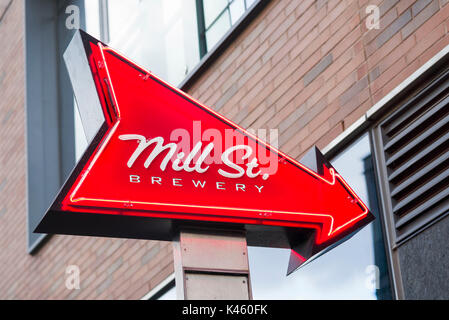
[163,158]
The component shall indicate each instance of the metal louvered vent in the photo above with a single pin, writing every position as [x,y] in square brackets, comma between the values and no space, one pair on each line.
[415,142]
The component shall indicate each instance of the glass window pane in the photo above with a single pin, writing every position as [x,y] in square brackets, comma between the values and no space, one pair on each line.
[218,30]
[124,17]
[93,18]
[162,36]
[237,8]
[350,271]
[212,8]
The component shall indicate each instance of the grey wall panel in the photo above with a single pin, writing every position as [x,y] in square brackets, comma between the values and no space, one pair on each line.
[49,106]
[42,114]
[424,263]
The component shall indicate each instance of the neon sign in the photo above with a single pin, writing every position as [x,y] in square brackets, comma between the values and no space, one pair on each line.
[161,159]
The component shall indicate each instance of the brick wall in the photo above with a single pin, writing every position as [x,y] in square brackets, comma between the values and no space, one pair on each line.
[308,68]
[110,268]
[311,68]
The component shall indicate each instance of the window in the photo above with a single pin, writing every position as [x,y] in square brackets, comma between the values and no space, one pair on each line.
[167,37]
[159,35]
[336,274]
[216,17]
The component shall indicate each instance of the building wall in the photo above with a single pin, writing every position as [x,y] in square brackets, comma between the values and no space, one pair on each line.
[308,68]
[110,268]
[311,68]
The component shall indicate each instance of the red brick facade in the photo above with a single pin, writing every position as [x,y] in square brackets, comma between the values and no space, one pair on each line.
[309,68]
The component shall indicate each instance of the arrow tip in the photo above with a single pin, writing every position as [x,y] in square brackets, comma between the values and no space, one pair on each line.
[302,248]
[296,260]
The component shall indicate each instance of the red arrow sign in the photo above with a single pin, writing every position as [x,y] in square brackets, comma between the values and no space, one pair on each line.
[161,154]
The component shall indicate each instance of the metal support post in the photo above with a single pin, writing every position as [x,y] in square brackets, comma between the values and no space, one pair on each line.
[211,265]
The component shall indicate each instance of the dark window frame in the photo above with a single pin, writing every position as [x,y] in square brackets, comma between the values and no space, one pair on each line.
[49,103]
[209,55]
[203,28]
